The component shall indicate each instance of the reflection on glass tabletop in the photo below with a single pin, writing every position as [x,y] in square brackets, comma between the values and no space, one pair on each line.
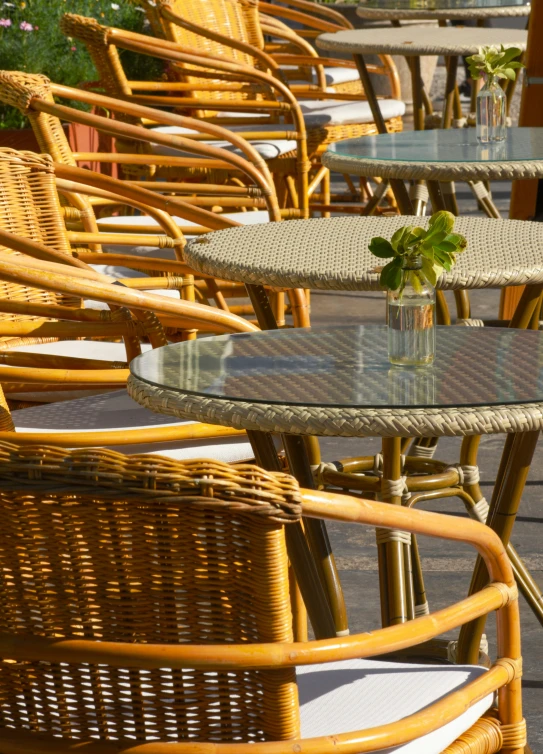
[444,145]
[349,367]
[440,4]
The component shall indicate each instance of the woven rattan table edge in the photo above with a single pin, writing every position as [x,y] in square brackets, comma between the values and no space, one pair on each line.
[440,171]
[330,41]
[429,14]
[338,422]
[449,281]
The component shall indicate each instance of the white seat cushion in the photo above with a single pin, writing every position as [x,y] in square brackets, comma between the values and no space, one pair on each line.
[334,76]
[268,149]
[244,218]
[82,349]
[117,411]
[340,113]
[340,697]
[336,113]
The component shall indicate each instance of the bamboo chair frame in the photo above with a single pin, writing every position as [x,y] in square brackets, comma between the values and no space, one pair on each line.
[261,506]
[37,268]
[180,27]
[34,95]
[220,94]
[239,81]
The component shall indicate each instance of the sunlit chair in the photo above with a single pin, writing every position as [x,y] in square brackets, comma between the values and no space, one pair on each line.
[236,89]
[146,607]
[45,369]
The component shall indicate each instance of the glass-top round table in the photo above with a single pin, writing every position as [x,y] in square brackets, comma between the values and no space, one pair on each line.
[337,381]
[396,10]
[443,155]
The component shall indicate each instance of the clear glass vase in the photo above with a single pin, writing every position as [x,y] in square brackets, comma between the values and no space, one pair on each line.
[411,319]
[491,115]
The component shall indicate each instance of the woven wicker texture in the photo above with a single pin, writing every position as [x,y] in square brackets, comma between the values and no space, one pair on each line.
[340,422]
[333,253]
[142,549]
[428,14]
[30,208]
[417,40]
[434,171]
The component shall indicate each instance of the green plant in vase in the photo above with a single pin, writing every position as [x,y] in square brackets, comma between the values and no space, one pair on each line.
[493,64]
[417,257]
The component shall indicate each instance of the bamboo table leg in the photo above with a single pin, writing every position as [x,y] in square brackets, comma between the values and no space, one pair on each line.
[393,560]
[301,558]
[515,464]
[398,186]
[317,536]
[417,86]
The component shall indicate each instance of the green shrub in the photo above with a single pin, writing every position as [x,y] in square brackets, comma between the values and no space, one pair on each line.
[31,40]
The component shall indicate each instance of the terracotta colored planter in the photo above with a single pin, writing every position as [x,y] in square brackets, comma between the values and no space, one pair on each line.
[82,139]
[22,138]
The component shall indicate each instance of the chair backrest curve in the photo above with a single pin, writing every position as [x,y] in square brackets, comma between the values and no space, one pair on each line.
[144,549]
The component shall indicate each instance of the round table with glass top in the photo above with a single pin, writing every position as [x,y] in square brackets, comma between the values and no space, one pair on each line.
[425,10]
[414,42]
[440,156]
[337,381]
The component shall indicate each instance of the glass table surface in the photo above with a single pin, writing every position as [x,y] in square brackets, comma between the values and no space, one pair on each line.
[440,4]
[456,145]
[348,367]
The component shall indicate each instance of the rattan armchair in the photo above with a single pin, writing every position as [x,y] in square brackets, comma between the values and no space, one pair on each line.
[62,370]
[146,608]
[232,84]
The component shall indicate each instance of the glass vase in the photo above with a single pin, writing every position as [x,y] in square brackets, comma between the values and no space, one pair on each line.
[491,115]
[411,320]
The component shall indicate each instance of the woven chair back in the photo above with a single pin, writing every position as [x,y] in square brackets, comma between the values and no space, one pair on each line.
[102,547]
[238,20]
[30,208]
[17,89]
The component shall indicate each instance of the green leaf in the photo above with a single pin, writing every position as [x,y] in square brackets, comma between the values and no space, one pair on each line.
[446,246]
[510,73]
[510,54]
[399,238]
[442,258]
[391,275]
[442,221]
[429,271]
[381,248]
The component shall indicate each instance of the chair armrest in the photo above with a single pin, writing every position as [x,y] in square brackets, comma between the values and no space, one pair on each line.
[89,284]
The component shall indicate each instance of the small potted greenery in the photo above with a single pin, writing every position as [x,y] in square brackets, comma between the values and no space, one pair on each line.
[493,64]
[417,257]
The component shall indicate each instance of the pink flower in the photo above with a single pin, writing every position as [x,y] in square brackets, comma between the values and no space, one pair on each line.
[5,21]
[73,49]
[25,26]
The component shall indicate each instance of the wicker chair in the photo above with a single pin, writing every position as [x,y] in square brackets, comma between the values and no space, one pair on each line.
[111,418]
[146,607]
[239,92]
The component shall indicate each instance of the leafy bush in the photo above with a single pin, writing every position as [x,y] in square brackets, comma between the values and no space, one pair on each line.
[31,40]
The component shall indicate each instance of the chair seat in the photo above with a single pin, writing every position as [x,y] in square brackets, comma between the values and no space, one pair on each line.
[331,113]
[341,113]
[268,149]
[334,76]
[82,349]
[117,411]
[339,697]
[116,224]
